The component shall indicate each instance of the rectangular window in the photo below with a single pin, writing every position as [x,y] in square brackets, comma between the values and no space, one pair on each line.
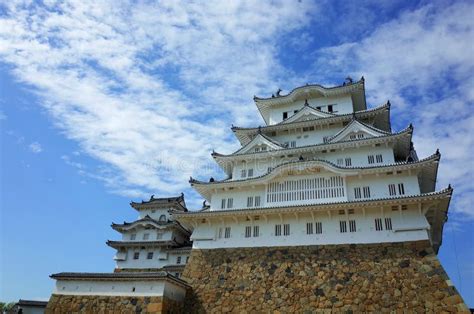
[133,236]
[250,173]
[178,260]
[264,148]
[230,202]
[220,233]
[149,255]
[146,236]
[318,108]
[293,144]
[257,201]
[318,226]
[330,108]
[366,190]
[269,169]
[391,189]
[243,173]
[250,201]
[187,259]
[352,136]
[325,139]
[401,189]
[379,158]
[352,226]
[248,231]
[371,159]
[257,149]
[340,161]
[256,231]
[360,135]
[277,230]
[285,115]
[388,223]
[223,203]
[342,226]
[348,162]
[309,228]
[286,229]
[227,233]
[136,255]
[159,235]
[378,224]
[357,193]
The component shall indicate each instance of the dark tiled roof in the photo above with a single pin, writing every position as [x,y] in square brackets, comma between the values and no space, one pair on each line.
[118,276]
[170,243]
[35,303]
[176,200]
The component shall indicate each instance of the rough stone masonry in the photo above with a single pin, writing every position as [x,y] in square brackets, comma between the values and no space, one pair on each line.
[396,277]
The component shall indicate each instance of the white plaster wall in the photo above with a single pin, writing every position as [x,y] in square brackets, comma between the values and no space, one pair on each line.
[239,196]
[156,262]
[379,185]
[32,309]
[167,234]
[120,288]
[365,233]
[110,288]
[155,213]
[308,137]
[343,105]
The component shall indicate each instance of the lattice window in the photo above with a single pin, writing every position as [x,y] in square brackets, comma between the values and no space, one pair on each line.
[352,226]
[401,189]
[243,173]
[256,231]
[391,189]
[305,189]
[286,229]
[318,227]
[371,159]
[357,193]
[309,228]
[342,226]
[250,173]
[277,230]
[257,201]
[366,191]
[388,223]
[250,201]
[227,232]
[378,224]
[379,158]
[223,203]
[230,202]
[348,161]
[248,231]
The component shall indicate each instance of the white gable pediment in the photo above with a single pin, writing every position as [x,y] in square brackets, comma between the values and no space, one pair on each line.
[258,144]
[307,113]
[356,131]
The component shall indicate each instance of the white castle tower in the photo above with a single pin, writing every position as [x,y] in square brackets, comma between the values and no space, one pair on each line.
[154,242]
[324,170]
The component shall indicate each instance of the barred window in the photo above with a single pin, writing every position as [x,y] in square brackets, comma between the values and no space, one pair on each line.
[366,190]
[248,231]
[136,255]
[257,201]
[220,233]
[401,189]
[243,173]
[230,202]
[318,227]
[352,226]
[227,232]
[286,229]
[388,223]
[149,255]
[357,193]
[223,203]
[371,159]
[309,228]
[391,189]
[250,173]
[348,162]
[250,201]
[146,236]
[293,144]
[133,236]
[340,161]
[342,226]
[379,158]
[178,260]
[256,231]
[378,224]
[277,230]
[360,135]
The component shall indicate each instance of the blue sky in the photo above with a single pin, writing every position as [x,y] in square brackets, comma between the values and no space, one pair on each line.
[102,103]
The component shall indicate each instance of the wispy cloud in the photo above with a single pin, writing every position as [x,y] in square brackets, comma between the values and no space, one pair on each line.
[148,89]
[35,148]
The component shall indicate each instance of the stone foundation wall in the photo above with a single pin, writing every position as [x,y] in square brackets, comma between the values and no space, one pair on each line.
[377,278]
[60,304]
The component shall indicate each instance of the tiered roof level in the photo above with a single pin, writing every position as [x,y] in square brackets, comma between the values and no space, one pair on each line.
[324,169]
[155,241]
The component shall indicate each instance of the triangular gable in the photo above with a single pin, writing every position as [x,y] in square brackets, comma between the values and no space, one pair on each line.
[307,113]
[355,131]
[260,141]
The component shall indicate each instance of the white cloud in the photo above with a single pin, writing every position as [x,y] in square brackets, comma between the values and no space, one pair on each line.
[3,116]
[149,89]
[422,61]
[35,147]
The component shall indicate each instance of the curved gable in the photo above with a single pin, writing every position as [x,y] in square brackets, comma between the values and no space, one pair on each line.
[356,130]
[307,113]
[260,142]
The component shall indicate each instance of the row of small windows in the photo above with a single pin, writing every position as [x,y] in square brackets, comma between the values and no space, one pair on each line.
[311,228]
[149,255]
[392,189]
[344,161]
[146,236]
[328,108]
[262,148]
[253,201]
[229,202]
[364,192]
[354,136]
[375,159]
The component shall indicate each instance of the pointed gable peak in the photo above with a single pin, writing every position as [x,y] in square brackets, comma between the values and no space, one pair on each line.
[260,142]
[356,130]
[307,113]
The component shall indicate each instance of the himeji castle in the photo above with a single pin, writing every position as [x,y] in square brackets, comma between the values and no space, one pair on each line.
[323,208]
